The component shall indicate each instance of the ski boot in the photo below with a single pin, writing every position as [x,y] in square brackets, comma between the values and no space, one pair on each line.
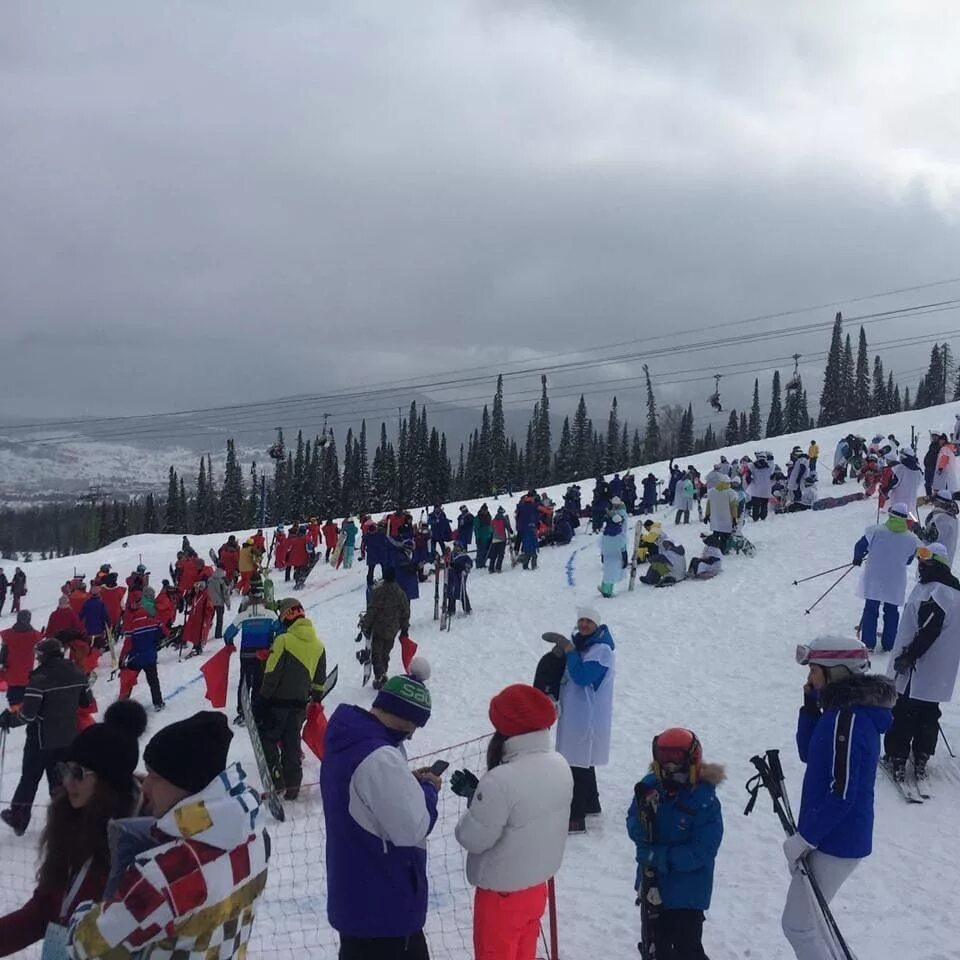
[379,683]
[157,707]
[920,766]
[898,769]
[16,825]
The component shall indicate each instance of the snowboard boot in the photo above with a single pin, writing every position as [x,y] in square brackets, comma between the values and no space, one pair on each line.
[577,826]
[157,707]
[920,766]
[13,822]
[379,683]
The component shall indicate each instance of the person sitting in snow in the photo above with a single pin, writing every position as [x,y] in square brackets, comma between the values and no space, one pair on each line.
[710,562]
[667,566]
[649,540]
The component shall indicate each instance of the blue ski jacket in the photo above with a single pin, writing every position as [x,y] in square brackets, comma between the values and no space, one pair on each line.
[687,832]
[839,740]
[257,627]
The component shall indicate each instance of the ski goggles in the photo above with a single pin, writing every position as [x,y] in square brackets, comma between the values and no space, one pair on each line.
[805,654]
[72,770]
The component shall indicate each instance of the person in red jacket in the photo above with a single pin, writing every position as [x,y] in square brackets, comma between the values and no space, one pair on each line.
[297,556]
[197,625]
[78,595]
[313,532]
[64,618]
[98,786]
[259,541]
[165,603]
[112,596]
[330,533]
[229,556]
[16,657]
[280,549]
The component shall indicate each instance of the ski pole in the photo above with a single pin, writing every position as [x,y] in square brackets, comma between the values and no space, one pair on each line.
[776,771]
[946,742]
[823,573]
[825,592]
[3,754]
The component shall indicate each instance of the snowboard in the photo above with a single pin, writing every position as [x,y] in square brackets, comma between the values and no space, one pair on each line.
[337,554]
[637,534]
[464,597]
[437,564]
[364,654]
[271,797]
[828,503]
[648,896]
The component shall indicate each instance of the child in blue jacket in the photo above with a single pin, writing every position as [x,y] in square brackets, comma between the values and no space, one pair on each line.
[680,845]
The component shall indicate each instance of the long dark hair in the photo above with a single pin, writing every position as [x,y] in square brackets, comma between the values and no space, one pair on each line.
[71,837]
[495,750]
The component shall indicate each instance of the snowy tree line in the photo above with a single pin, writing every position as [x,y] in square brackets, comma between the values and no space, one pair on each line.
[419,468]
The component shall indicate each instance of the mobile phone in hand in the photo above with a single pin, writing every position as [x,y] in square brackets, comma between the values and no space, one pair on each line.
[439,767]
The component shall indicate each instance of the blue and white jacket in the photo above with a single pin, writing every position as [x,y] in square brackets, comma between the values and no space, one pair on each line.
[257,627]
[378,817]
[839,741]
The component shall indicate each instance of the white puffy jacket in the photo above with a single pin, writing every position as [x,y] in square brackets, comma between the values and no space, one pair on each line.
[515,829]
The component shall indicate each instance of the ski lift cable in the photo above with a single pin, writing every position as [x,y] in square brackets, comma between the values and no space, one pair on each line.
[414,383]
[249,416]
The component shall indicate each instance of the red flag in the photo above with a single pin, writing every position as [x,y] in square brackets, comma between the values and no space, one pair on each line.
[408,650]
[216,675]
[314,729]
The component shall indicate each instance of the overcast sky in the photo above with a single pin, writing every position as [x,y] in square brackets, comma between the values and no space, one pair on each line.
[207,202]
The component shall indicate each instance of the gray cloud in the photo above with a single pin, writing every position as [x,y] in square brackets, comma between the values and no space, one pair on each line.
[219,202]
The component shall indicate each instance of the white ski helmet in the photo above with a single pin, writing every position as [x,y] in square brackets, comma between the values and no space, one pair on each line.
[832,653]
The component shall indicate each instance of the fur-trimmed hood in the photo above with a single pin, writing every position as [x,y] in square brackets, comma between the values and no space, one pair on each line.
[859,690]
[712,773]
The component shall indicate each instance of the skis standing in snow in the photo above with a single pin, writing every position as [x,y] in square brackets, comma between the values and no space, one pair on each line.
[676,823]
[924,663]
[845,711]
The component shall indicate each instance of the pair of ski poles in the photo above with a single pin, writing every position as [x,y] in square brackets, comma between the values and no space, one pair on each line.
[770,776]
[846,567]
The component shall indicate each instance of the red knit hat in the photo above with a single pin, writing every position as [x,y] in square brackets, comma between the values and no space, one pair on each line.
[519,709]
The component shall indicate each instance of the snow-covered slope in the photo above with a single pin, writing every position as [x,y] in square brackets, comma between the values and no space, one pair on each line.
[716,656]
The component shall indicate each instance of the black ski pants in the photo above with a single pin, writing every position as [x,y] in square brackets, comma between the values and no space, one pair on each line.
[36,763]
[678,935]
[758,508]
[280,733]
[384,948]
[251,675]
[916,725]
[586,800]
[218,626]
[685,514]
[497,549]
[153,682]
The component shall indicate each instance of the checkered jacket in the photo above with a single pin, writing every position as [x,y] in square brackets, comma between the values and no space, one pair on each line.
[192,895]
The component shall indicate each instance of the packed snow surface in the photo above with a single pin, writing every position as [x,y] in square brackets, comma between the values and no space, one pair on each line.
[716,656]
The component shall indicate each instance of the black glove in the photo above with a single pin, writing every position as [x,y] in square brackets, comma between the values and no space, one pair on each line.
[857,561]
[463,783]
[904,663]
[6,720]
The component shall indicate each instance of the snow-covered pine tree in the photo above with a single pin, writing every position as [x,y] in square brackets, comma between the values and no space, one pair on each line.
[563,469]
[613,439]
[775,416]
[624,455]
[231,498]
[498,440]
[744,429]
[582,442]
[832,405]
[861,386]
[183,509]
[848,378]
[732,434]
[879,403]
[636,449]
[754,423]
[651,439]
[172,522]
[685,439]
[151,521]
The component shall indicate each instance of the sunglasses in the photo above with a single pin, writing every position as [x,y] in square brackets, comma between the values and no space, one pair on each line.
[72,770]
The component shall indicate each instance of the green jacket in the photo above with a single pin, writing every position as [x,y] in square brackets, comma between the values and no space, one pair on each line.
[388,612]
[296,668]
[482,529]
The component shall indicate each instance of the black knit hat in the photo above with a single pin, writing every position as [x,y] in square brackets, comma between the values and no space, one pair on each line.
[110,749]
[192,752]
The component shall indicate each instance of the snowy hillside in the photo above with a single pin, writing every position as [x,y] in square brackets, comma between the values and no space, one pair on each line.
[717,656]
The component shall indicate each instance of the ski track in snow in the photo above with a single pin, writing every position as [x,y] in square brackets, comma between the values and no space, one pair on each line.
[717,656]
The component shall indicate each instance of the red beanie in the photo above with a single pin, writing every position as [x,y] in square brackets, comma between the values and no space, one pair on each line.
[519,709]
